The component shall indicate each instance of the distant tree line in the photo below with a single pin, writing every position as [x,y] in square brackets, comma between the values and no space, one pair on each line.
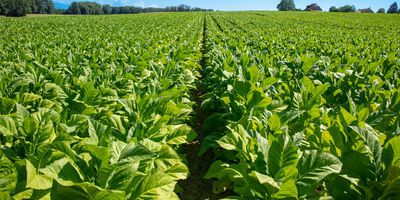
[93,8]
[289,5]
[19,8]
[345,8]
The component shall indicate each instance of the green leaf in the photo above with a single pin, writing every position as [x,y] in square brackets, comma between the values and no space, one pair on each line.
[282,154]
[29,97]
[30,125]
[266,181]
[35,180]
[391,151]
[5,196]
[169,162]
[7,126]
[286,174]
[84,191]
[181,135]
[117,176]
[307,63]
[6,105]
[258,99]
[274,122]
[287,191]
[254,73]
[313,167]
[215,168]
[236,139]
[358,165]
[369,136]
[8,175]
[362,115]
[134,152]
[155,185]
[242,88]
[392,191]
[346,117]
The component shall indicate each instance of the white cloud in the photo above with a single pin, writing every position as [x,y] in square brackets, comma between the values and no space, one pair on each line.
[140,4]
[153,6]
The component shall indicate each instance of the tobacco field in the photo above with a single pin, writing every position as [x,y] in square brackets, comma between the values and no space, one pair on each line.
[206,105]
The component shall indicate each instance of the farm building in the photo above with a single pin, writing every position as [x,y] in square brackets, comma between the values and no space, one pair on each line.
[365,10]
[313,7]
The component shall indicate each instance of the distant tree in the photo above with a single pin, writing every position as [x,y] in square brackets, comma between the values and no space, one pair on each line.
[85,8]
[93,8]
[15,8]
[381,10]
[2,7]
[286,5]
[183,8]
[393,8]
[333,9]
[347,8]
[50,7]
[195,9]
[107,9]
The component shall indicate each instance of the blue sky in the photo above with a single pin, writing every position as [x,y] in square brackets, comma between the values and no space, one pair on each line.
[244,4]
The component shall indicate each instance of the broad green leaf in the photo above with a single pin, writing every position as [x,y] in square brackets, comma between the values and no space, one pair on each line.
[236,139]
[286,174]
[287,190]
[134,152]
[7,126]
[392,191]
[274,122]
[369,136]
[362,115]
[29,97]
[35,180]
[258,99]
[117,176]
[8,175]
[254,73]
[155,185]
[281,154]
[242,88]
[266,181]
[168,161]
[181,135]
[391,151]
[84,191]
[346,117]
[6,105]
[313,167]
[30,125]
[307,63]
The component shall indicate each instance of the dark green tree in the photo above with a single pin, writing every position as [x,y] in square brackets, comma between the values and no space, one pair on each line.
[347,8]
[393,8]
[2,7]
[85,8]
[93,8]
[333,9]
[15,8]
[286,5]
[107,9]
[381,10]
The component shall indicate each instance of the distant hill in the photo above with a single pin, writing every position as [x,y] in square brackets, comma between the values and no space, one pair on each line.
[59,5]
